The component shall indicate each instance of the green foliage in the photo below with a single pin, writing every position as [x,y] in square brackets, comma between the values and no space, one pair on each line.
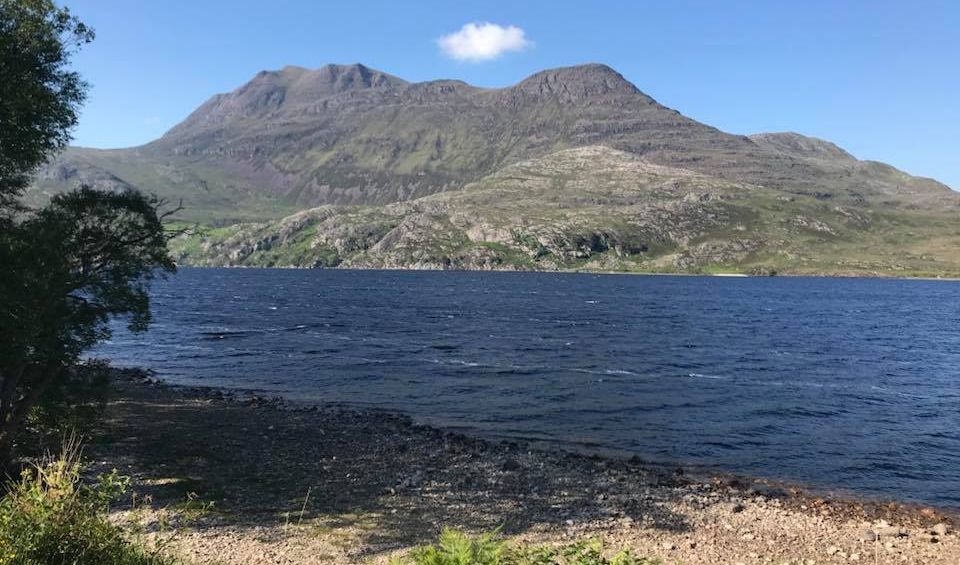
[579,553]
[83,259]
[530,242]
[456,548]
[41,95]
[50,517]
[87,257]
[72,403]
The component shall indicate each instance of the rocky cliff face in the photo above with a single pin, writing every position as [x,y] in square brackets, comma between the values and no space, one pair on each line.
[351,135]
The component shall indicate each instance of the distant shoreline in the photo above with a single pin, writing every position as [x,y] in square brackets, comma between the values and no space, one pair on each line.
[851,275]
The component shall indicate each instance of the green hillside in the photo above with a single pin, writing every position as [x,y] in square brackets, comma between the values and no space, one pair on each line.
[600,209]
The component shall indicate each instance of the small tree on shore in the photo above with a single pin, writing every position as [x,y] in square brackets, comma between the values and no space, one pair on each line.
[85,258]
[88,256]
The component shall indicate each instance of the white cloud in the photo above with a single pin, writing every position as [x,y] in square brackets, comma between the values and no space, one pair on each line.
[482,41]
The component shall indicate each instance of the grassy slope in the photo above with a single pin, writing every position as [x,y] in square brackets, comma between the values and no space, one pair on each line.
[211,195]
[598,208]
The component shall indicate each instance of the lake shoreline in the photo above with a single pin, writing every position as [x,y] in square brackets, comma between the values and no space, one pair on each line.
[365,484]
[731,274]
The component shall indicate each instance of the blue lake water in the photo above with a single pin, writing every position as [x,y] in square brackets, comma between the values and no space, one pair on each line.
[837,383]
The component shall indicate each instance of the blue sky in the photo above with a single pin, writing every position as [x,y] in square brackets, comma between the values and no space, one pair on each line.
[880,78]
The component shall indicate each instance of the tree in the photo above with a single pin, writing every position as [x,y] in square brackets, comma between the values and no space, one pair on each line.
[85,258]
[39,94]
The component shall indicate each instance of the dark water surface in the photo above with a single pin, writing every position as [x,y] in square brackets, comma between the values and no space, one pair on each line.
[838,383]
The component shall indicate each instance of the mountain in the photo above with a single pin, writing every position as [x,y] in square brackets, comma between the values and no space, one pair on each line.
[349,134]
[570,168]
[599,208]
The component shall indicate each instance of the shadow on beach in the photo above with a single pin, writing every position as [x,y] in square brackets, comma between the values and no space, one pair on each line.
[389,482]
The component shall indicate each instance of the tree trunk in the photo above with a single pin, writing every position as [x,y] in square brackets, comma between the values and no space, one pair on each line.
[15,411]
[6,457]
[8,395]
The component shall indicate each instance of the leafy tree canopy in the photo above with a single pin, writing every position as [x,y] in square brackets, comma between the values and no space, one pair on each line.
[87,257]
[40,94]
[84,259]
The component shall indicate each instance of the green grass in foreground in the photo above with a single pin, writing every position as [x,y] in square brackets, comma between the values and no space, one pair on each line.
[50,517]
[456,548]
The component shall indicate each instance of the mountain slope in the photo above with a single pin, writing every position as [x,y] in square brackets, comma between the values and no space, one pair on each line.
[865,178]
[348,134]
[599,208]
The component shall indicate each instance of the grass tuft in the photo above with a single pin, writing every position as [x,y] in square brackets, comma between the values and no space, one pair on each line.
[51,517]
[456,548]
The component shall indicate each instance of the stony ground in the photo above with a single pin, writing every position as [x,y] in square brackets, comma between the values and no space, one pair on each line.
[333,485]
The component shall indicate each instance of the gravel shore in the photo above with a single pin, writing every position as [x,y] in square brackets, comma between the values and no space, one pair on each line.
[335,485]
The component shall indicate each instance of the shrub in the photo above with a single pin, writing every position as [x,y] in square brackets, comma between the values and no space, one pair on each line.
[456,548]
[75,403]
[50,517]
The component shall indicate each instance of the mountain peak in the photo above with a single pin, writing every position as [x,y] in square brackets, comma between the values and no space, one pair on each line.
[290,87]
[328,79]
[802,145]
[341,78]
[578,82]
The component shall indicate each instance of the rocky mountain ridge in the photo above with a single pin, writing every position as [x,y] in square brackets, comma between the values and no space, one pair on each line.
[348,134]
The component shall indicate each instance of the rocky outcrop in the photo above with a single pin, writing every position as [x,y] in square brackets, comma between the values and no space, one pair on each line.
[587,208]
